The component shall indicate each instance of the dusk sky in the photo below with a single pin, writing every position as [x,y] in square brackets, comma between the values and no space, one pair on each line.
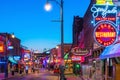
[29,21]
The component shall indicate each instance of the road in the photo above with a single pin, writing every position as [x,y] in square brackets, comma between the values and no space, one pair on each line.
[42,75]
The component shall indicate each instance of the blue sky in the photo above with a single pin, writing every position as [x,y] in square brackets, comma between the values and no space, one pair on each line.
[29,21]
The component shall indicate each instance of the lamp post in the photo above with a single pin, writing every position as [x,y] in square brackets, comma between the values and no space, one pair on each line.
[48,7]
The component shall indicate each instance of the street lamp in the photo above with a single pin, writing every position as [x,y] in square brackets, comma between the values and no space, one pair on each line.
[48,7]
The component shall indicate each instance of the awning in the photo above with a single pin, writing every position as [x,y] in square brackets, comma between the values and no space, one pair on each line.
[111,51]
[11,59]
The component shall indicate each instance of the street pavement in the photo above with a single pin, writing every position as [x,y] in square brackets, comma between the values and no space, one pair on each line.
[42,75]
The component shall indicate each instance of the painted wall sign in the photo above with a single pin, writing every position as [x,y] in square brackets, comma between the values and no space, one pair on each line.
[104,12]
[105,34]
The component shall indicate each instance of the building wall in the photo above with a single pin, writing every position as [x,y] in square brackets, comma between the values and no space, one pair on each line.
[88,28]
[67,48]
[15,42]
[9,41]
[77,28]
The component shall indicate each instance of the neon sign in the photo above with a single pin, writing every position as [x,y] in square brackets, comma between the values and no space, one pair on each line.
[104,12]
[78,58]
[79,51]
[1,47]
[102,2]
[110,18]
[105,34]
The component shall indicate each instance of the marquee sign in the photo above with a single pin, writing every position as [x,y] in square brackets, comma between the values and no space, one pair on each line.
[104,13]
[105,34]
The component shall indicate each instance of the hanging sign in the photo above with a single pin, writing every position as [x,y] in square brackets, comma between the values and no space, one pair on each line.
[105,34]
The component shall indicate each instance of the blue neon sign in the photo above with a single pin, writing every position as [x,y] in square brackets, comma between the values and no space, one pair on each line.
[104,13]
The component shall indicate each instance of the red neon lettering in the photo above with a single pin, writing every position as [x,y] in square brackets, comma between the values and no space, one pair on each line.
[110,18]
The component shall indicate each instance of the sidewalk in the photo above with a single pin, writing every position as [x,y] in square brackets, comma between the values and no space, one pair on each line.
[73,77]
[70,76]
[10,75]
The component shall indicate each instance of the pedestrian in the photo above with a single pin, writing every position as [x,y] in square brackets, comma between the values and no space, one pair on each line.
[33,70]
[62,69]
[20,70]
[26,69]
[12,70]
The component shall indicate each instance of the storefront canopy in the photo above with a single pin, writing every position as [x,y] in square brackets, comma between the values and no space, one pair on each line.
[111,51]
[11,59]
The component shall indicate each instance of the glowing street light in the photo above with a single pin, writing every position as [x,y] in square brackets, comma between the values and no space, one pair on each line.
[48,6]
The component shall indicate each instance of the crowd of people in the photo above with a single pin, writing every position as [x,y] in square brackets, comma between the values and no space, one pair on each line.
[26,68]
[19,69]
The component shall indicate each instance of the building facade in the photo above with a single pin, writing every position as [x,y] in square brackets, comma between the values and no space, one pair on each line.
[87,41]
[11,49]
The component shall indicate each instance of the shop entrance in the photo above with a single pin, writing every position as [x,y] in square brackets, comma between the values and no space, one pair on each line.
[77,69]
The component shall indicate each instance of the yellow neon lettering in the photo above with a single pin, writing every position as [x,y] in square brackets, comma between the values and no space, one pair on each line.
[105,34]
[102,2]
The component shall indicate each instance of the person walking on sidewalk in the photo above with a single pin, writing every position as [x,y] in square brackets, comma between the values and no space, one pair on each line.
[21,69]
[12,70]
[26,69]
[33,69]
[62,70]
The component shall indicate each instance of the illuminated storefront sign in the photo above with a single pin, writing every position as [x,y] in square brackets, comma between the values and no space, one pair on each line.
[17,58]
[26,57]
[104,13]
[11,59]
[105,34]
[100,18]
[79,51]
[78,58]
[102,2]
[27,51]
[1,47]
